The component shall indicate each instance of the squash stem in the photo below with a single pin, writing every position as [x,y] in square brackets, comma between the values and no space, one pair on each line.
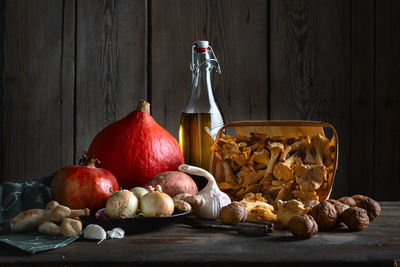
[143,106]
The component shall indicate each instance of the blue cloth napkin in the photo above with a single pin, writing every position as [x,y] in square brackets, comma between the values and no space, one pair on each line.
[18,197]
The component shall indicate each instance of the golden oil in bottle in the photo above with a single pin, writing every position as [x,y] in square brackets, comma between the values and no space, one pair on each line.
[196,136]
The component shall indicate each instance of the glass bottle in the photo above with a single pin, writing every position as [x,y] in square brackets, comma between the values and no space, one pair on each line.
[201,118]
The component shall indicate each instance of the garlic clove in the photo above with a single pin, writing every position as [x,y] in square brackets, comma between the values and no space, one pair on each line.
[116,233]
[95,232]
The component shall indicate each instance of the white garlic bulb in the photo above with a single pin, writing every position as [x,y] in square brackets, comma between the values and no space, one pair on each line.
[214,199]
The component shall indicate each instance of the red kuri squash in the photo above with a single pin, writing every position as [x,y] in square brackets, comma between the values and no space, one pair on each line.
[136,148]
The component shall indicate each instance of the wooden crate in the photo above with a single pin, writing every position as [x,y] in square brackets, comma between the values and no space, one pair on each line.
[279,128]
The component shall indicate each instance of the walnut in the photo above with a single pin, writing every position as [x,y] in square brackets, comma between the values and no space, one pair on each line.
[356,218]
[325,215]
[371,206]
[358,198]
[348,201]
[311,204]
[303,226]
[339,206]
[233,214]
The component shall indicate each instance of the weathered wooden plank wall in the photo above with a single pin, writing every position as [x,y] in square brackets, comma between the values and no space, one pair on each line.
[309,68]
[31,140]
[237,31]
[362,96]
[67,99]
[110,65]
[387,100]
[72,67]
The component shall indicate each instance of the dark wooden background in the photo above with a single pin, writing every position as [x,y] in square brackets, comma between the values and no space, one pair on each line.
[72,67]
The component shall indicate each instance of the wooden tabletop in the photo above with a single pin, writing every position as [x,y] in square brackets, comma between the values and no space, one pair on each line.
[181,244]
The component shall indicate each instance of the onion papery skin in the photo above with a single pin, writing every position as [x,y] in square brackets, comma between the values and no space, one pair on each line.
[122,204]
[156,204]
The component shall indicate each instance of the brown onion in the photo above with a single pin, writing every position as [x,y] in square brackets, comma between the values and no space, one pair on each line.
[139,191]
[122,204]
[156,204]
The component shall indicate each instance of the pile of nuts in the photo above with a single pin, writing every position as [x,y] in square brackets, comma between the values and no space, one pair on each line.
[304,221]
[355,212]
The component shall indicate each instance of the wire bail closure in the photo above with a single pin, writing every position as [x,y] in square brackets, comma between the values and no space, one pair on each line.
[213,61]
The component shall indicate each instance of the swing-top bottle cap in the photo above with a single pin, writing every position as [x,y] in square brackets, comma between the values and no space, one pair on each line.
[201,46]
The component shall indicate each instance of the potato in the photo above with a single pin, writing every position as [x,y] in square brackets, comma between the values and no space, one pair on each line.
[173,183]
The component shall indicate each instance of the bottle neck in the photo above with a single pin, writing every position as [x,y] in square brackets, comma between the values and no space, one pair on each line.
[201,99]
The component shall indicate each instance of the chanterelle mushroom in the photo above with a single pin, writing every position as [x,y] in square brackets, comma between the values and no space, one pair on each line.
[275,149]
[247,189]
[305,196]
[226,146]
[309,177]
[320,144]
[283,170]
[288,209]
[241,158]
[285,153]
[228,173]
[309,158]
[329,154]
[248,176]
[286,192]
[258,209]
[301,144]
[261,157]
